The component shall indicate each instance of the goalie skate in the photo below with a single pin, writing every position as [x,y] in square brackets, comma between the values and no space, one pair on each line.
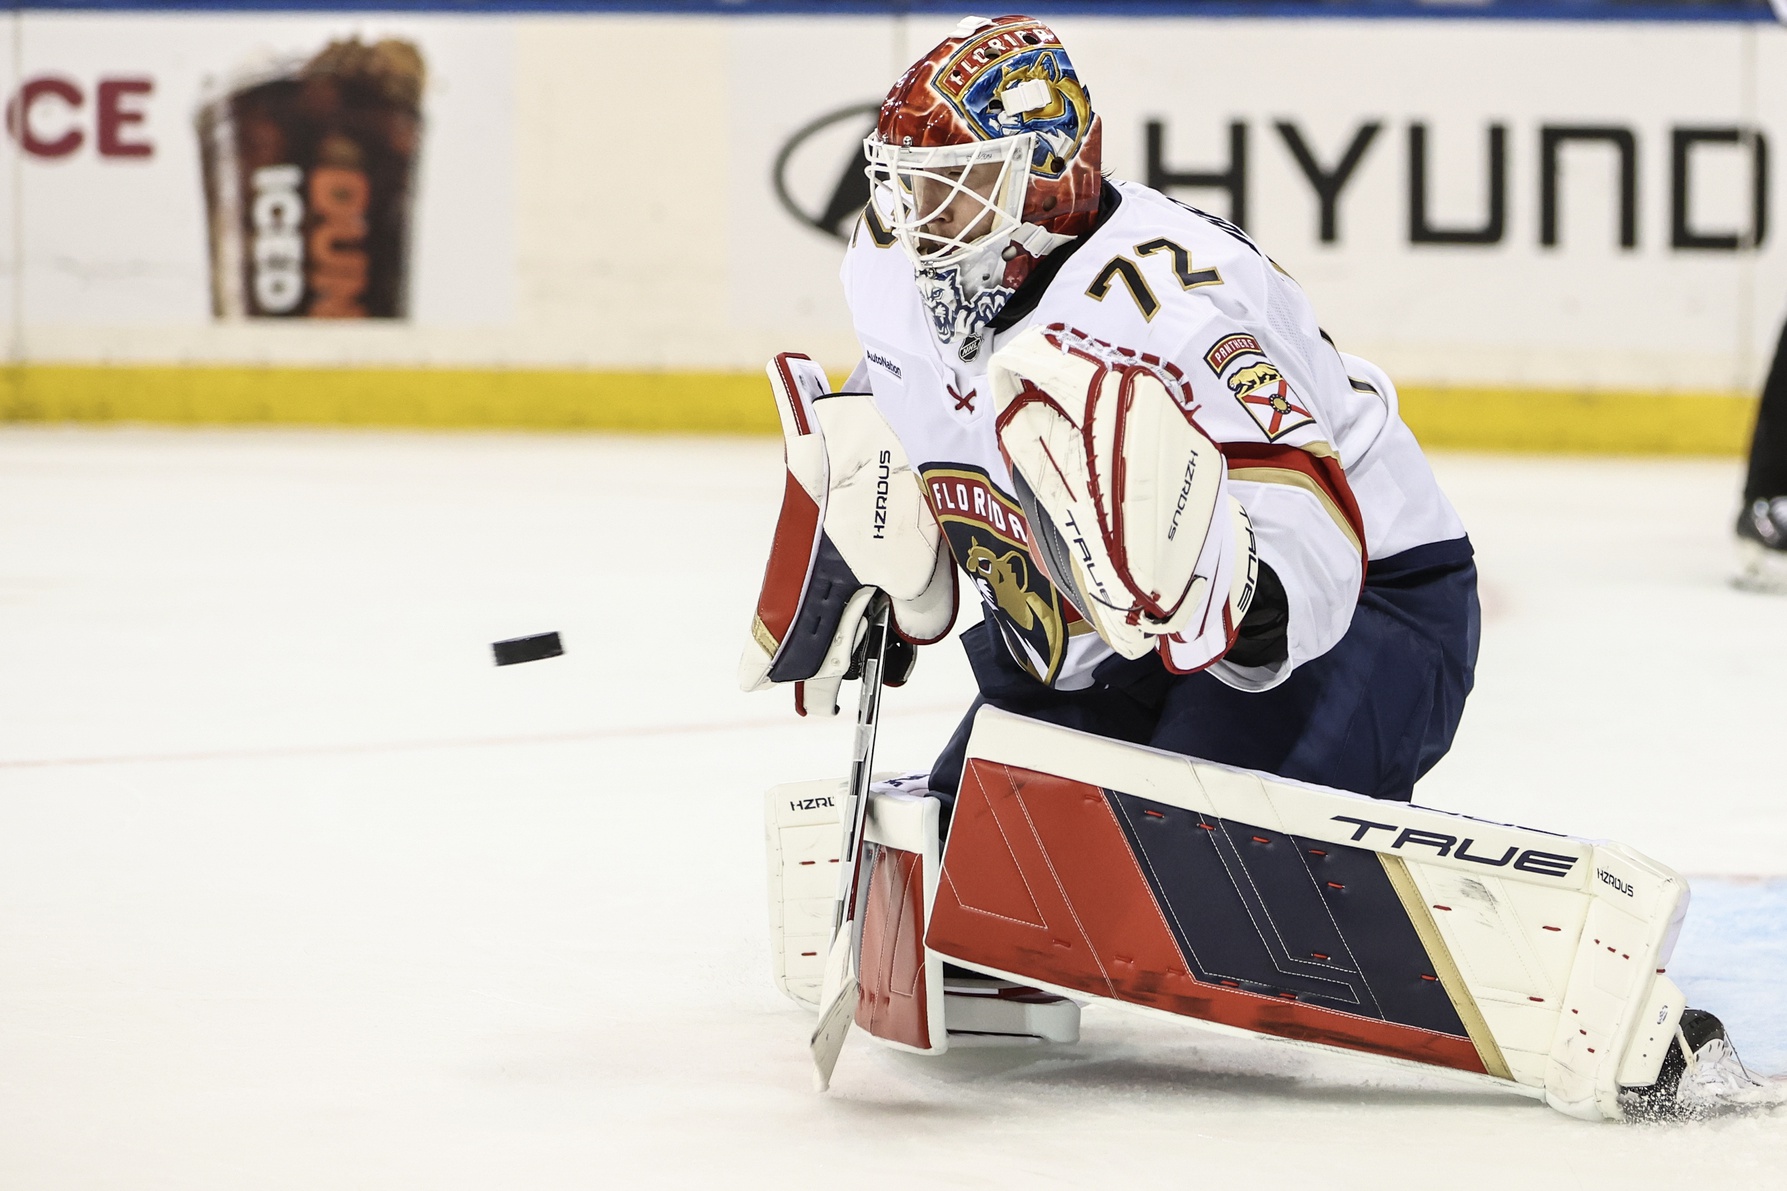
[1701,1077]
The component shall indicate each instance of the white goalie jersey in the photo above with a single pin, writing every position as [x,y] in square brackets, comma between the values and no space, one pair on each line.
[1316,453]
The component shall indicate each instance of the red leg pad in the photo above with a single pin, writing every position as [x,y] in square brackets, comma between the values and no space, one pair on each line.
[891,1000]
[1040,882]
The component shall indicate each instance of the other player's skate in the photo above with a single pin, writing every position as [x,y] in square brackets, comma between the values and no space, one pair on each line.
[1762,546]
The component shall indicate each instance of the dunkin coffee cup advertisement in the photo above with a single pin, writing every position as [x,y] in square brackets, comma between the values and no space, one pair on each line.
[310,181]
[263,188]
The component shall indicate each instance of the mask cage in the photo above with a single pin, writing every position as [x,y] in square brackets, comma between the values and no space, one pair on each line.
[900,176]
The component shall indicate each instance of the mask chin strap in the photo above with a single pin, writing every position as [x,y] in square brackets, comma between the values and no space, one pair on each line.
[1037,240]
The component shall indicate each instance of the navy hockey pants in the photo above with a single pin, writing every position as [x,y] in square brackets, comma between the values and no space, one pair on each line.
[1371,715]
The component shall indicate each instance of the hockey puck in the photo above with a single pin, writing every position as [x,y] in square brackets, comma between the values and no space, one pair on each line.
[527,649]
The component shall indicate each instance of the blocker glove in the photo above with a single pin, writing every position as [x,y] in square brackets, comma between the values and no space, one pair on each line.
[854,519]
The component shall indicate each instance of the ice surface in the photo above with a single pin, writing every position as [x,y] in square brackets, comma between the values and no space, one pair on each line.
[1732,958]
[298,890]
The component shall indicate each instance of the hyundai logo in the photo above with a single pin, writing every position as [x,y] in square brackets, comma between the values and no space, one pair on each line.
[818,174]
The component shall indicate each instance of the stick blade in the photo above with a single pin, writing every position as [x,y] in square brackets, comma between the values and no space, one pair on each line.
[837,1006]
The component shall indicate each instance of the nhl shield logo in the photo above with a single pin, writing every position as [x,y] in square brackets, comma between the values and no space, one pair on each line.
[1262,390]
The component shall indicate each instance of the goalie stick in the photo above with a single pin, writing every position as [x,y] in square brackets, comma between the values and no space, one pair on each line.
[837,998]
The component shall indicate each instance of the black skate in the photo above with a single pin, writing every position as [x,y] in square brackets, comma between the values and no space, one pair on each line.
[1701,1076]
[1762,546]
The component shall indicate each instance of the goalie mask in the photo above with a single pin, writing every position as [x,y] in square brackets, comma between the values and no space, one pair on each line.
[985,158]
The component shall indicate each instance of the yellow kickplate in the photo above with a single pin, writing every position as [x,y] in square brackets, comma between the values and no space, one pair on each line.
[663,402]
[1492,419]
[1560,421]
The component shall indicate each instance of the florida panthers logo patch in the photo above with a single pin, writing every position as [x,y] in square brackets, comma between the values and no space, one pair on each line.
[1262,390]
[990,539]
[1007,81]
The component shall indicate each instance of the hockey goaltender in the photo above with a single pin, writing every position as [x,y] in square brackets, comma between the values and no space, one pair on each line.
[1228,620]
